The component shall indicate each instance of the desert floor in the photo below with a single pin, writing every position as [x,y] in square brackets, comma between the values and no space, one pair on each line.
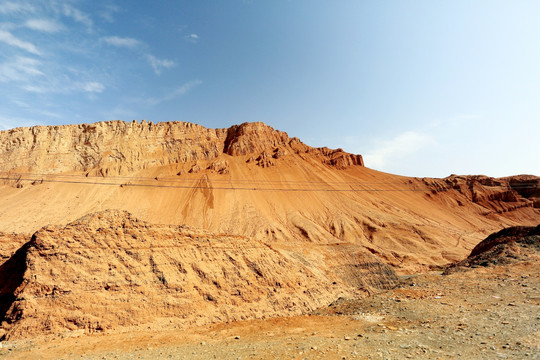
[482,313]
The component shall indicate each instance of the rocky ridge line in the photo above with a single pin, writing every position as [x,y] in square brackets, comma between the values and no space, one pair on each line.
[116,147]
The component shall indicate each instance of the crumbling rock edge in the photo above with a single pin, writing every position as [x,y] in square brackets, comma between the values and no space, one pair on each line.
[109,270]
[110,148]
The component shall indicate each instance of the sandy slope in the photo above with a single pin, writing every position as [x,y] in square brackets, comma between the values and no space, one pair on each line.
[406,221]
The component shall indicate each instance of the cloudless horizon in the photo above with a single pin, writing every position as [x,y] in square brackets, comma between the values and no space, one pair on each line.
[419,88]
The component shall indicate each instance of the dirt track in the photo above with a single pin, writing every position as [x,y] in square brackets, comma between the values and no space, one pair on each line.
[484,313]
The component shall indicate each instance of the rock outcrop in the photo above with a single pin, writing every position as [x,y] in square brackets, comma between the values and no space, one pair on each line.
[117,148]
[508,246]
[494,194]
[110,270]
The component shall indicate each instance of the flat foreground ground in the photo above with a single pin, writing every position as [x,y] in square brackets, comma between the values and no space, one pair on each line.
[482,313]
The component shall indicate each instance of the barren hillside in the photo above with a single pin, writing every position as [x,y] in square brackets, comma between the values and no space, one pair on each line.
[117,225]
[254,181]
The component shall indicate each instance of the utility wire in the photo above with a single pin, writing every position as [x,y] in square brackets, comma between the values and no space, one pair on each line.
[254,187]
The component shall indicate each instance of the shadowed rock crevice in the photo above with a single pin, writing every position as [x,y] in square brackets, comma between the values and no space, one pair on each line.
[11,278]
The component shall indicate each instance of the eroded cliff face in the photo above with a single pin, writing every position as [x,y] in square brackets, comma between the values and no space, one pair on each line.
[118,148]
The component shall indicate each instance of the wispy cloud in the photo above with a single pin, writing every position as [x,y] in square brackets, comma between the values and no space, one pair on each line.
[108,13]
[193,38]
[20,69]
[44,25]
[77,15]
[92,87]
[9,7]
[38,89]
[121,42]
[391,151]
[10,39]
[178,92]
[159,64]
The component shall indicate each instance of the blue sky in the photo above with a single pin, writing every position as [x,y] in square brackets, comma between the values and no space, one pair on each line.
[420,88]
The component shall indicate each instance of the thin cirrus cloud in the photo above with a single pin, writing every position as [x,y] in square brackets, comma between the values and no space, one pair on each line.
[20,69]
[121,42]
[9,7]
[44,25]
[12,40]
[159,64]
[77,15]
[109,12]
[193,38]
[178,92]
[91,87]
[387,153]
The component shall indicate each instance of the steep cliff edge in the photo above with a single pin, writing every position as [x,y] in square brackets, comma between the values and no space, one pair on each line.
[117,148]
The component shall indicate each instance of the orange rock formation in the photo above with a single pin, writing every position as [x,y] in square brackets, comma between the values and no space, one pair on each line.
[270,210]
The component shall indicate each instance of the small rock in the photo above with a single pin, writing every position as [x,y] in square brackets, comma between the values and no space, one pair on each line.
[237,337]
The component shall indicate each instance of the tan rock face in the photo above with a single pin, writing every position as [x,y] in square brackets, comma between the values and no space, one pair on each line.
[117,148]
[110,269]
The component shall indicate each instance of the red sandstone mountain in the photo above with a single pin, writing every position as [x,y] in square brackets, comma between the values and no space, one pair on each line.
[256,224]
[254,181]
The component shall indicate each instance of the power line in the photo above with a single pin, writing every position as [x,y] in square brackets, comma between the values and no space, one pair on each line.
[254,187]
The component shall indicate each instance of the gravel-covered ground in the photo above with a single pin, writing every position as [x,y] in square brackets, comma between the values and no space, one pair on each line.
[481,313]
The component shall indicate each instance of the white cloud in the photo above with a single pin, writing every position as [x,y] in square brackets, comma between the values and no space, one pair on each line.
[391,151]
[93,86]
[8,7]
[10,39]
[121,42]
[20,69]
[108,13]
[194,38]
[37,89]
[77,15]
[43,25]
[179,91]
[159,64]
